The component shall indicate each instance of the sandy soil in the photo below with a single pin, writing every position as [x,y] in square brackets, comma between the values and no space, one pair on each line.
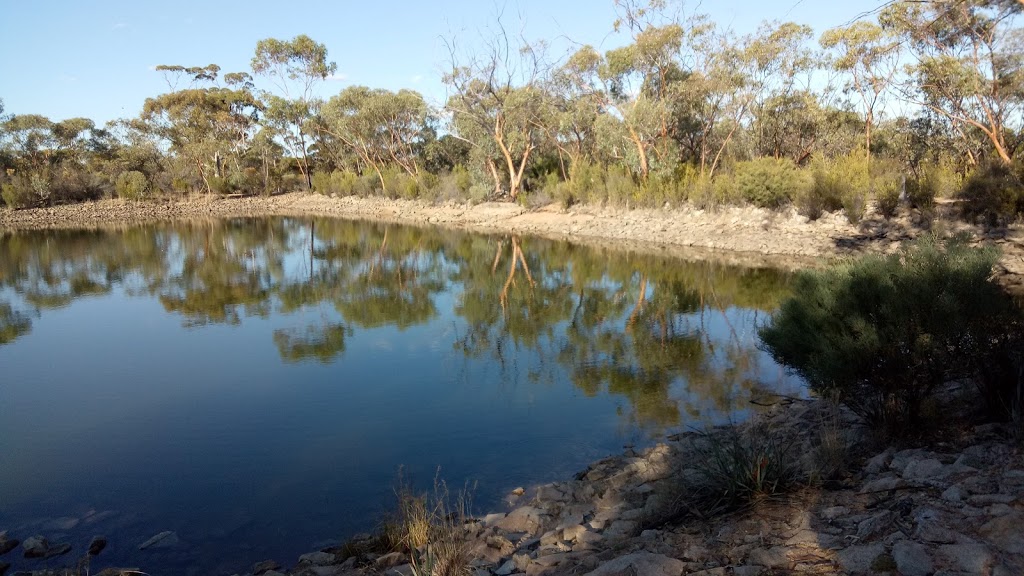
[735,234]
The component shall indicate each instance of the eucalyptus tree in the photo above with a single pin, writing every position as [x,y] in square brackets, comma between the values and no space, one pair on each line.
[638,82]
[577,98]
[869,56]
[968,64]
[294,67]
[380,127]
[500,105]
[203,124]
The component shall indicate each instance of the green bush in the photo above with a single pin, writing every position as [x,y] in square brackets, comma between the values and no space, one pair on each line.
[887,197]
[132,185]
[769,182]
[18,193]
[844,182]
[740,465]
[994,193]
[882,332]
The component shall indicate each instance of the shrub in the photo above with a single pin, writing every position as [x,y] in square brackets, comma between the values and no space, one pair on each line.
[18,193]
[740,465]
[887,197]
[132,185]
[882,332]
[844,182]
[769,182]
[994,193]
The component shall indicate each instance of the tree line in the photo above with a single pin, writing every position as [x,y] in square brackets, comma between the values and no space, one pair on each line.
[920,99]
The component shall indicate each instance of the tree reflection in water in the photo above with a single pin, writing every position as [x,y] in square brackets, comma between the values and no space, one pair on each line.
[670,337]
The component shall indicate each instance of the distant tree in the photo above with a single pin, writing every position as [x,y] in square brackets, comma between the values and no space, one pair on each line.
[968,64]
[869,56]
[295,67]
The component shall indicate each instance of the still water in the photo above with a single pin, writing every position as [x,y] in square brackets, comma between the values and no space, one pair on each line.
[255,385]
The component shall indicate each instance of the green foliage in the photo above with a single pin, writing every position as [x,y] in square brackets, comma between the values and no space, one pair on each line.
[887,197]
[769,182]
[994,194]
[882,332]
[132,185]
[740,465]
[18,193]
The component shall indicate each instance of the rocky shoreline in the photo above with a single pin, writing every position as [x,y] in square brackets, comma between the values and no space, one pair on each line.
[953,508]
[740,235]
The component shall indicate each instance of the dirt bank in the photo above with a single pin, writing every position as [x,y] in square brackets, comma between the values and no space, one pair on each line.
[737,234]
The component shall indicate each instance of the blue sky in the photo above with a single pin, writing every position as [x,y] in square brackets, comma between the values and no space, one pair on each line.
[95,59]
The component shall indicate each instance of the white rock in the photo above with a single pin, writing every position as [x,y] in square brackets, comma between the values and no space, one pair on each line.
[641,564]
[912,559]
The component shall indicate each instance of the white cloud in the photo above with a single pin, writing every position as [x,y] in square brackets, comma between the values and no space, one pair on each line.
[337,77]
[122,25]
[417,79]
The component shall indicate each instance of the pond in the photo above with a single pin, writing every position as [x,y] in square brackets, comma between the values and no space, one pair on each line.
[258,385]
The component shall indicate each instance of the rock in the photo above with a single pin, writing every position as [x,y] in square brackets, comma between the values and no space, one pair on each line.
[319,558]
[971,558]
[953,494]
[572,533]
[35,547]
[775,557]
[524,519]
[1006,532]
[747,570]
[165,539]
[403,570]
[879,462]
[386,561]
[96,545]
[875,525]
[930,527]
[7,544]
[492,519]
[518,492]
[858,559]
[58,550]
[522,561]
[620,529]
[912,559]
[265,566]
[507,568]
[641,564]
[834,512]
[884,484]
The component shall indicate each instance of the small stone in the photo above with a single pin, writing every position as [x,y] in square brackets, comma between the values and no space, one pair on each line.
[522,561]
[971,558]
[264,566]
[572,533]
[35,547]
[747,570]
[319,558]
[166,539]
[953,494]
[641,564]
[834,512]
[879,462]
[6,544]
[883,484]
[403,570]
[874,525]
[507,568]
[492,519]
[58,550]
[1006,533]
[775,557]
[518,492]
[858,559]
[386,561]
[96,545]
[912,558]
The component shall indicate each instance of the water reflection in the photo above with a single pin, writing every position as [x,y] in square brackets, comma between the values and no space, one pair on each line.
[253,384]
[632,325]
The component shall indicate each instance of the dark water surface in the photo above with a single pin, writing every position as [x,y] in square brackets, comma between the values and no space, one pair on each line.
[255,384]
